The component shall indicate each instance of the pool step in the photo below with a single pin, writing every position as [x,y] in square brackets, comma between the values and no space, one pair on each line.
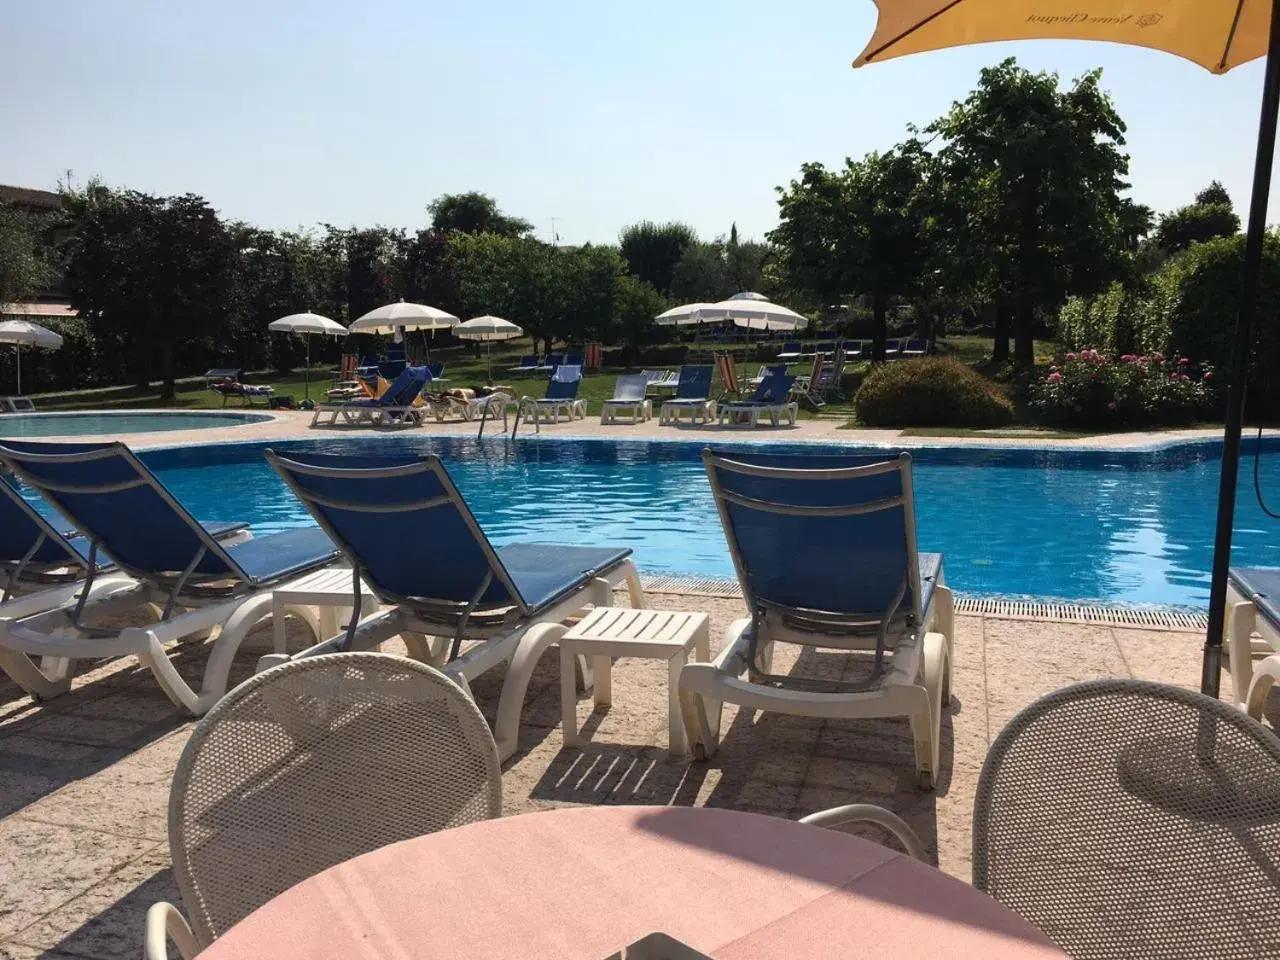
[1154,617]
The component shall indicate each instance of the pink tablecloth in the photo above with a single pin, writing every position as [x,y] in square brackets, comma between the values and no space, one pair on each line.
[584,882]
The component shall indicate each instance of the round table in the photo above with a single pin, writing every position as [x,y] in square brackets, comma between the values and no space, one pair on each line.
[586,882]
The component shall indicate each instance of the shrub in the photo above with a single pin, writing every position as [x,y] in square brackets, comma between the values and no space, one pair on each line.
[1089,390]
[1105,320]
[930,392]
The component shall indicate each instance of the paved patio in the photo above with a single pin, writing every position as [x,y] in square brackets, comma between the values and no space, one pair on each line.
[84,779]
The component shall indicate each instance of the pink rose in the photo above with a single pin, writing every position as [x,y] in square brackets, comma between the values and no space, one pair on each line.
[1184,378]
[1157,356]
[1127,358]
[1071,356]
[1183,361]
[1055,377]
[1208,374]
[1111,405]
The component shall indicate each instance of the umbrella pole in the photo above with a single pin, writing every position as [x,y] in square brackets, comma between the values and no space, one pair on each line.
[1211,672]
[307,381]
[18,348]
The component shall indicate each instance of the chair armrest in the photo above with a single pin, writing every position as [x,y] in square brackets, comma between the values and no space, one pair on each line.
[165,922]
[869,813]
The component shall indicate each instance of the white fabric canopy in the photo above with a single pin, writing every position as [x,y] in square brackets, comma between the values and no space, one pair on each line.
[755,314]
[406,316]
[24,333]
[682,316]
[749,295]
[487,328]
[308,323]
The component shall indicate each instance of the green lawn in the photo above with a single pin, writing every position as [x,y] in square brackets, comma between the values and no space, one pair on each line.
[463,369]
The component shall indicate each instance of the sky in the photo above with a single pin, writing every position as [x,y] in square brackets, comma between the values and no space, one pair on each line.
[289,113]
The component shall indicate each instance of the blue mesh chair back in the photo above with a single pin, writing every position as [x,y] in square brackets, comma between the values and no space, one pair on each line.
[403,525]
[694,382]
[773,389]
[564,383]
[26,535]
[118,503]
[630,388]
[833,536]
[436,371]
[573,359]
[405,389]
[396,352]
[390,369]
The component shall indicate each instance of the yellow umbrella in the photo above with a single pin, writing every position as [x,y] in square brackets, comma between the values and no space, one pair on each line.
[1216,34]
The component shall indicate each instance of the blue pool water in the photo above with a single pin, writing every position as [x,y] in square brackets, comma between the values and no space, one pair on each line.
[114,424]
[1106,527]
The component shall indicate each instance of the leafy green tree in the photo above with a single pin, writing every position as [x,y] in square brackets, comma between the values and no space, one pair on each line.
[153,274]
[1034,174]
[859,229]
[474,212]
[24,269]
[1212,215]
[652,250]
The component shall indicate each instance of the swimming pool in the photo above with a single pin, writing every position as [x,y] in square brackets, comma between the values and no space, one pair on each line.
[1099,527]
[104,423]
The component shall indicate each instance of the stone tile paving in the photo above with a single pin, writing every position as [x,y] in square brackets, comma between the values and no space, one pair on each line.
[84,779]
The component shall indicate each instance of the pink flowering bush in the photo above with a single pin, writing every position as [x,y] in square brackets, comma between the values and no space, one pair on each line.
[1090,389]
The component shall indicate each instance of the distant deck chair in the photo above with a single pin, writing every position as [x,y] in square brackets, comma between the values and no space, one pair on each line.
[197,582]
[912,347]
[526,365]
[727,368]
[221,374]
[767,370]
[809,391]
[1129,820]
[629,396]
[693,395]
[1253,606]
[791,350]
[397,405]
[506,604]
[561,397]
[772,398]
[825,551]
[306,766]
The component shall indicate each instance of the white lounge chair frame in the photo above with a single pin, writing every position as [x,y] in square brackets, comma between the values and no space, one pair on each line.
[1254,663]
[641,409]
[465,647]
[915,684]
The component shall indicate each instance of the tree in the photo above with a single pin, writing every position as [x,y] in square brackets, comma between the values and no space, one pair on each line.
[154,274]
[474,212]
[1212,215]
[856,230]
[1034,177]
[652,250]
[23,267]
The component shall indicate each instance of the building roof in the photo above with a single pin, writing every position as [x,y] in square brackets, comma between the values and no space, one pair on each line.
[27,197]
[28,310]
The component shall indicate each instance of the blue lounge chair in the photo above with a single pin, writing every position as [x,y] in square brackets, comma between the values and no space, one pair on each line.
[693,394]
[526,365]
[912,347]
[768,370]
[396,406]
[772,398]
[509,600]
[180,567]
[573,359]
[561,396]
[549,363]
[436,373]
[825,550]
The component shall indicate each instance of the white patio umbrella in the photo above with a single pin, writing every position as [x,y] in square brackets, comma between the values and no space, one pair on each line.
[748,295]
[307,325]
[396,318]
[686,315]
[488,329]
[24,333]
[755,314]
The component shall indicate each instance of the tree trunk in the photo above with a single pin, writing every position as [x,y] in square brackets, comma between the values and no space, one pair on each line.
[879,326]
[142,366]
[167,391]
[1024,350]
[1000,350]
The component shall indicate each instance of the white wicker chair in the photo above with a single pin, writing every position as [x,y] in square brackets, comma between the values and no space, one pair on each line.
[307,765]
[1134,820]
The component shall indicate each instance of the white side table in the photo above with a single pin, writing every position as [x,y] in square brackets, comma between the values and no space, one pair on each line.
[330,590]
[610,632]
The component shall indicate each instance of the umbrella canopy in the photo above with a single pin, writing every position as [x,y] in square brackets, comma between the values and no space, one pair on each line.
[748,295]
[1216,34]
[308,323]
[487,328]
[24,333]
[689,313]
[755,314]
[406,316]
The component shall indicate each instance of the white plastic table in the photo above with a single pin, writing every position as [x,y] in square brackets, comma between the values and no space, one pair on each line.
[610,632]
[581,883]
[329,590]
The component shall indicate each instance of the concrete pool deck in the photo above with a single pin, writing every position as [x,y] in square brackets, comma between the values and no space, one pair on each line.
[296,425]
[84,791]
